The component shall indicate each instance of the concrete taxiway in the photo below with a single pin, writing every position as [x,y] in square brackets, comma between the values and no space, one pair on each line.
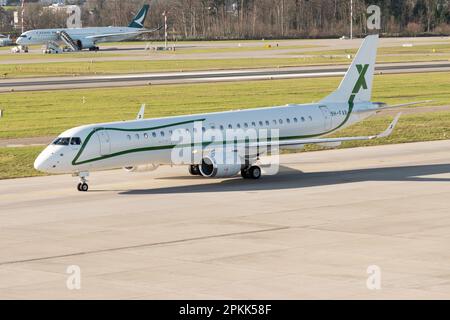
[310,232]
[60,83]
[136,51]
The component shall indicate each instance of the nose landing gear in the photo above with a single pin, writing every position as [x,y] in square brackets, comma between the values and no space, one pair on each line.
[83,186]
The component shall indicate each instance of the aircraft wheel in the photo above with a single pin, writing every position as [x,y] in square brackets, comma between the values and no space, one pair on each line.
[194,170]
[83,187]
[254,172]
[245,173]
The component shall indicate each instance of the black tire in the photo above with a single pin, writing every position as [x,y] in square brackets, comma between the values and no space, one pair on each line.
[245,174]
[79,186]
[84,187]
[254,172]
[194,170]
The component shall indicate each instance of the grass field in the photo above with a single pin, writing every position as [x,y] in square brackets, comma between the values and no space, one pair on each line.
[140,66]
[146,62]
[35,114]
[45,113]
[400,50]
[18,162]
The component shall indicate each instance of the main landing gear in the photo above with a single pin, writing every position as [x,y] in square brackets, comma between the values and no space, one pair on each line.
[194,170]
[83,186]
[253,172]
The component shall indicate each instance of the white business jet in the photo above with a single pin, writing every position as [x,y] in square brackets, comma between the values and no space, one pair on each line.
[144,144]
[87,38]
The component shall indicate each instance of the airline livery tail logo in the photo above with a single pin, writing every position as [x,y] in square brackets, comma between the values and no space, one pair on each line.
[140,20]
[361,83]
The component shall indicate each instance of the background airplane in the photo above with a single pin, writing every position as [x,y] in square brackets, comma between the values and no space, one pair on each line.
[142,145]
[87,38]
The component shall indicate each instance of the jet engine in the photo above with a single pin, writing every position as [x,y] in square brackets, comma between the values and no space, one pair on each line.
[211,169]
[142,168]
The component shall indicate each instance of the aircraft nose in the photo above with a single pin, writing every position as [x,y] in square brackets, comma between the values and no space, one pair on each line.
[42,162]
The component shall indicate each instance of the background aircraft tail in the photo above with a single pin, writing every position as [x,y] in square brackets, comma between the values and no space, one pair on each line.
[357,83]
[138,21]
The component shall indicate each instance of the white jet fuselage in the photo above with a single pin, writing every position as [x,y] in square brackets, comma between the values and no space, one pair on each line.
[132,143]
[82,36]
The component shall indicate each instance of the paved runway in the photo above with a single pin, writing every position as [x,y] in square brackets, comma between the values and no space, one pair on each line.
[310,232]
[52,83]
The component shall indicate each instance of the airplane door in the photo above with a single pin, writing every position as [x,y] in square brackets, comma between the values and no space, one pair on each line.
[328,121]
[105,142]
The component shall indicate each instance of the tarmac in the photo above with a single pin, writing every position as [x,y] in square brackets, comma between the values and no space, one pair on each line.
[310,232]
[128,80]
[296,48]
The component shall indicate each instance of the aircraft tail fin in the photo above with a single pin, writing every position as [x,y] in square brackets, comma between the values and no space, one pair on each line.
[357,83]
[138,21]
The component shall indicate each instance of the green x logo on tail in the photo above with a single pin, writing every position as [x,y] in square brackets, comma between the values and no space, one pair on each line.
[361,83]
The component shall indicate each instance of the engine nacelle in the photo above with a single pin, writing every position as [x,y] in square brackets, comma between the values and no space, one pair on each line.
[210,169]
[142,168]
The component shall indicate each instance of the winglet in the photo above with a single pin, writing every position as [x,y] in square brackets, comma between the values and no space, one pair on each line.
[390,129]
[141,113]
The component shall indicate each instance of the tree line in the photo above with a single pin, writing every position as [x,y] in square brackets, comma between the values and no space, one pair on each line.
[253,19]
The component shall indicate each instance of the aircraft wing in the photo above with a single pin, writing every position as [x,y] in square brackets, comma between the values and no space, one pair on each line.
[255,149]
[298,142]
[110,35]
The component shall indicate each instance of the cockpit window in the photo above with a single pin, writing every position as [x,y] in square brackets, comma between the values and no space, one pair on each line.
[75,141]
[62,142]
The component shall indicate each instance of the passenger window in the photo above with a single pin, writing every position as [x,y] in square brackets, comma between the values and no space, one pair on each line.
[295,120]
[137,136]
[238,126]
[221,127]
[230,126]
[162,134]
[288,120]
[128,137]
[310,118]
[146,135]
[274,121]
[267,123]
[245,125]
[261,123]
[154,134]
[254,124]
[303,119]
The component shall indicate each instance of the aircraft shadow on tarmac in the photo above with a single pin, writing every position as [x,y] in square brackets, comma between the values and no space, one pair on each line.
[293,179]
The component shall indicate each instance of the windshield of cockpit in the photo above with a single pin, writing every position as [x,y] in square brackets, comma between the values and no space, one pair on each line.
[67,141]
